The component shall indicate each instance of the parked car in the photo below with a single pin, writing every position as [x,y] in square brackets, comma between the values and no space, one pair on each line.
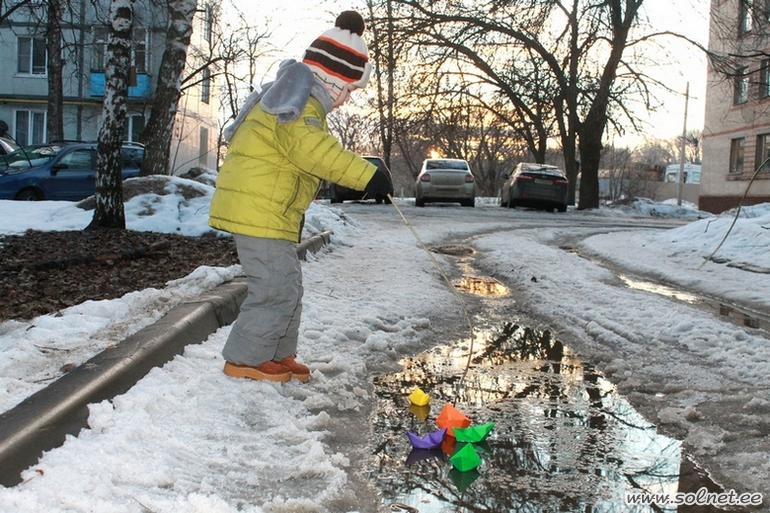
[535,185]
[7,146]
[445,180]
[378,189]
[58,171]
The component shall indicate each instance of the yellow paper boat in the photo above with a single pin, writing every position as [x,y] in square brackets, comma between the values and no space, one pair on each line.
[419,398]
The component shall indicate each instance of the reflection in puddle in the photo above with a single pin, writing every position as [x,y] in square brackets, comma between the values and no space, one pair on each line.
[661,290]
[565,440]
[486,287]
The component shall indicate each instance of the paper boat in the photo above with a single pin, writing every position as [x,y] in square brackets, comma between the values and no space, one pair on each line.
[466,459]
[419,398]
[450,418]
[474,434]
[430,441]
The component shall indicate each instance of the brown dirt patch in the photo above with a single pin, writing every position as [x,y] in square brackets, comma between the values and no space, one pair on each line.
[43,272]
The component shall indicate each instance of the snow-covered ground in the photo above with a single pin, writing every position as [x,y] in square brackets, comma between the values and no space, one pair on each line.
[740,270]
[646,207]
[187,438]
[34,353]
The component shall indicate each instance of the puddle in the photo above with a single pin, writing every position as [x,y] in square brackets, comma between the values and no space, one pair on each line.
[739,315]
[659,289]
[564,440]
[457,250]
[470,283]
[486,287]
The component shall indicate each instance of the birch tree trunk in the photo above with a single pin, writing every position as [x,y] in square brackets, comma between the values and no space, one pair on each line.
[109,176]
[55,119]
[160,127]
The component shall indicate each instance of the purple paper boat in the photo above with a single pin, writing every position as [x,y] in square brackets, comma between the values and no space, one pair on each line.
[429,441]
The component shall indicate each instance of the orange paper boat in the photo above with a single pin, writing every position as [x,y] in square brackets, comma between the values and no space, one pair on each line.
[450,418]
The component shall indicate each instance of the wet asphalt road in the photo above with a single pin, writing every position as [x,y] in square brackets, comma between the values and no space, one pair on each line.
[564,438]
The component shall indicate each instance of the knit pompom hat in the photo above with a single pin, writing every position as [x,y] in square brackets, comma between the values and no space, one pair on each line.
[339,57]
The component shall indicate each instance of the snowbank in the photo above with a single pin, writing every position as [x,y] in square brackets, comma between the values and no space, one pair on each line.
[645,207]
[34,353]
[741,270]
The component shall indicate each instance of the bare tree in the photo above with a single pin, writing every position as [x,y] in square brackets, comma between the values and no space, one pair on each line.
[356,132]
[693,143]
[7,8]
[237,47]
[577,47]
[160,125]
[109,176]
[384,52]
[55,117]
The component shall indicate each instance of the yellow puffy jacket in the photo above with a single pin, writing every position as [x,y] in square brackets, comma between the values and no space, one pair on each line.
[272,172]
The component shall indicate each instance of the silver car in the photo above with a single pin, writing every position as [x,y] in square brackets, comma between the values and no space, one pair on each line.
[445,180]
[535,185]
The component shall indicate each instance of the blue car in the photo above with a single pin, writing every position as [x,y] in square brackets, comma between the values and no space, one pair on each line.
[58,171]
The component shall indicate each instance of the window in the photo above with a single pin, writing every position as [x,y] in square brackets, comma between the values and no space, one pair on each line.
[31,56]
[78,159]
[741,85]
[138,49]
[764,78]
[206,86]
[737,147]
[208,23]
[30,127]
[763,151]
[99,49]
[745,16]
[132,129]
[203,153]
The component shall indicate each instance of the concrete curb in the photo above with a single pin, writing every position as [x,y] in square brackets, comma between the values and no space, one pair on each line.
[42,421]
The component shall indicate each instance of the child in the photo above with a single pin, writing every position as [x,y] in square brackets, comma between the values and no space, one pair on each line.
[279,151]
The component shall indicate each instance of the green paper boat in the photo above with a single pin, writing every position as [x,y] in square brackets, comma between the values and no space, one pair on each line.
[474,434]
[466,459]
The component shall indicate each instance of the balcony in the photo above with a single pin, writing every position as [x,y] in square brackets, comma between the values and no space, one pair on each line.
[142,89]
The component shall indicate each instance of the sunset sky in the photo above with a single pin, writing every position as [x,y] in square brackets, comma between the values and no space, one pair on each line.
[295,23]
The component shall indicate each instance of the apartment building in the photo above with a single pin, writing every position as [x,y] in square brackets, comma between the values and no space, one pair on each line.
[24,84]
[736,135]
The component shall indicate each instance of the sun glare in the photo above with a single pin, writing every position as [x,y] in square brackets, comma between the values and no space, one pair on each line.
[434,154]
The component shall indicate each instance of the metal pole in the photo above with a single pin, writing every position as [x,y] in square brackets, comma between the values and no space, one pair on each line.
[682,148]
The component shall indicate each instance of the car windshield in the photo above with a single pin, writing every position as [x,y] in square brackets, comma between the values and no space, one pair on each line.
[447,164]
[30,156]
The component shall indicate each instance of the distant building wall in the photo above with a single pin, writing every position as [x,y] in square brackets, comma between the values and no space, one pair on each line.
[737,122]
[24,87]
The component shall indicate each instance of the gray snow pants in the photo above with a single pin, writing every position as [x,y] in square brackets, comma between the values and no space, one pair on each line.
[268,323]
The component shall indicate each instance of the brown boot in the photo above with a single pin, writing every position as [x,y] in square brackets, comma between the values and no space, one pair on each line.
[267,371]
[298,371]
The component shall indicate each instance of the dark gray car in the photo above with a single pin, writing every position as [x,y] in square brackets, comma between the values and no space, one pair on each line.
[535,185]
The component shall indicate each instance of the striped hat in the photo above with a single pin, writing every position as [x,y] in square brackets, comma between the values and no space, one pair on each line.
[339,57]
